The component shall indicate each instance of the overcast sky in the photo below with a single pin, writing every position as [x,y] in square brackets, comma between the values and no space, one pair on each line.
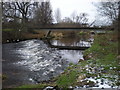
[67,7]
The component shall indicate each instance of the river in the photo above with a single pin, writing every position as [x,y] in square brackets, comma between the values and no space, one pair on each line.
[32,61]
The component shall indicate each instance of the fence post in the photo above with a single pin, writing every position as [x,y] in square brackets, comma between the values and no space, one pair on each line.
[48,34]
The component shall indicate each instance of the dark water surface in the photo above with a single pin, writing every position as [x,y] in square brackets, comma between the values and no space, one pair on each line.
[73,56]
[15,75]
[31,61]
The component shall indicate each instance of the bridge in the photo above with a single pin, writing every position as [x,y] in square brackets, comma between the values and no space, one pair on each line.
[51,28]
[69,28]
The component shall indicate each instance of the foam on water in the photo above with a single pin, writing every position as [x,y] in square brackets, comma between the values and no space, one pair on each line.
[37,57]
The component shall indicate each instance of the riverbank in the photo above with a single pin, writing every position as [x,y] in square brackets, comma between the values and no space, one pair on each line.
[100,69]
[13,36]
[15,52]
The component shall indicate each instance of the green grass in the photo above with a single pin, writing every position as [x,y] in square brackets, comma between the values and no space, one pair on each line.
[102,46]
[67,79]
[3,76]
[33,86]
[104,54]
[8,30]
[82,33]
[40,86]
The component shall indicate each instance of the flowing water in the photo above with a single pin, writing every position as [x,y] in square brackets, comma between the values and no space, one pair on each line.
[32,61]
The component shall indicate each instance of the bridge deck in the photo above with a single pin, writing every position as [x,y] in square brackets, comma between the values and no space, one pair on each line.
[75,28]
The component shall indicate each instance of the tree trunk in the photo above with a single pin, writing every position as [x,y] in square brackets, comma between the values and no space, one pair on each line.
[24,24]
[119,29]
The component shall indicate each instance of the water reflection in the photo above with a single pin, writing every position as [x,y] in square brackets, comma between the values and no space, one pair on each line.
[72,56]
[82,40]
[66,41]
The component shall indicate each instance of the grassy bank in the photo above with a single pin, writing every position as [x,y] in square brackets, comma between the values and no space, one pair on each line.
[101,63]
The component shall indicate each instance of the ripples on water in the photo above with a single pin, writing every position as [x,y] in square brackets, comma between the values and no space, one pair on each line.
[44,62]
[72,56]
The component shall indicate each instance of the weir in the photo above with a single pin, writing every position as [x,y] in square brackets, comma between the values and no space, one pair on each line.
[82,47]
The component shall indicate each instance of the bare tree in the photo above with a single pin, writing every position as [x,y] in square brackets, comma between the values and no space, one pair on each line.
[57,15]
[119,15]
[43,15]
[108,9]
[81,18]
[18,11]
[77,19]
[67,20]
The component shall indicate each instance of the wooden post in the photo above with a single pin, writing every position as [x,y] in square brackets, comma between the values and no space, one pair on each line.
[48,34]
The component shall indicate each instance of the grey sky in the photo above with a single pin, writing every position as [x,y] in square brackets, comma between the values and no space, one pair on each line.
[67,7]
